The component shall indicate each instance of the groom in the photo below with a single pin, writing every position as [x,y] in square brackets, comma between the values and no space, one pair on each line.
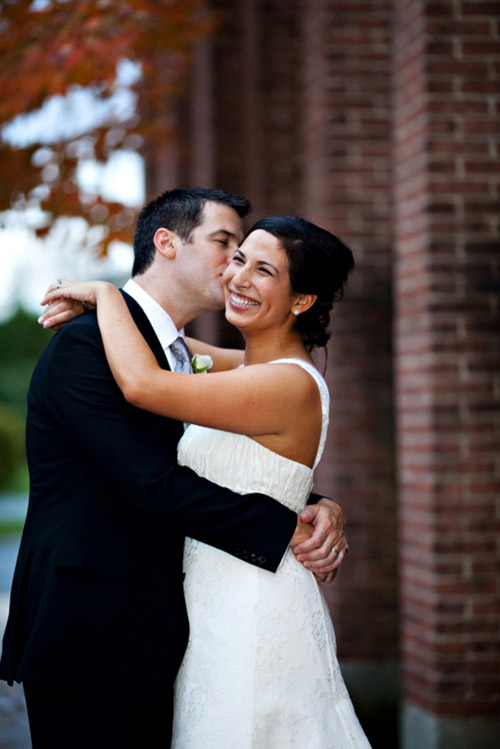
[97,625]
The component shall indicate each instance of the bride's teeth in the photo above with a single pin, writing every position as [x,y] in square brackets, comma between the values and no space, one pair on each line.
[243,302]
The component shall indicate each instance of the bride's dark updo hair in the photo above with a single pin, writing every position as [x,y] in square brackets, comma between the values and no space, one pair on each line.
[319,263]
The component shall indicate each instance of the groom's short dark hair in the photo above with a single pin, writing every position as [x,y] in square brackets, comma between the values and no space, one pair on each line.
[181,211]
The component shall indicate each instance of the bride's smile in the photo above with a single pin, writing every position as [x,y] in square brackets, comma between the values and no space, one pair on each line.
[257,284]
[238,301]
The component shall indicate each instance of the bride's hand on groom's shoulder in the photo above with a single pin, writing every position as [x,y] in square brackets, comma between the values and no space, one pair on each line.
[58,313]
[66,300]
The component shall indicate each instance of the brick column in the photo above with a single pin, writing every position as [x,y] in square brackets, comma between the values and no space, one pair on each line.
[201,116]
[304,88]
[258,102]
[447,275]
[346,160]
[256,108]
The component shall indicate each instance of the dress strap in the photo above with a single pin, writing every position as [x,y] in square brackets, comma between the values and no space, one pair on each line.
[324,395]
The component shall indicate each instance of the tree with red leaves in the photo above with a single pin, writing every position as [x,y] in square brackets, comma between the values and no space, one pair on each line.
[53,48]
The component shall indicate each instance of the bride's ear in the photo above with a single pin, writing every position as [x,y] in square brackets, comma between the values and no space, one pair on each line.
[303,302]
[165,243]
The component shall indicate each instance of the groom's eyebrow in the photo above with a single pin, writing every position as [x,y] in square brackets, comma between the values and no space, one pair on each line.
[223,231]
[229,234]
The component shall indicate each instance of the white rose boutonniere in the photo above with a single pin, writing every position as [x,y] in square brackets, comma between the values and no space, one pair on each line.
[202,363]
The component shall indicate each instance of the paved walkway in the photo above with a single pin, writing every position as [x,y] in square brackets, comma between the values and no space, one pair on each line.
[14,731]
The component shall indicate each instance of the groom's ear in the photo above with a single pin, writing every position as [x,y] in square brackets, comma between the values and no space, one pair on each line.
[165,243]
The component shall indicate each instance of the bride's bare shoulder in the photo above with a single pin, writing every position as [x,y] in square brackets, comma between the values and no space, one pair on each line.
[298,377]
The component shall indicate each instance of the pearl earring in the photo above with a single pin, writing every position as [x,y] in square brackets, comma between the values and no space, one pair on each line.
[296,312]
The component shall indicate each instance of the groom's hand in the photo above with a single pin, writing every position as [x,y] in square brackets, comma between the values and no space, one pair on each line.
[303,532]
[327,546]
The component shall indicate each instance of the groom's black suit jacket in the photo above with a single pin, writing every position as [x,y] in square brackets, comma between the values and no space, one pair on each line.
[97,601]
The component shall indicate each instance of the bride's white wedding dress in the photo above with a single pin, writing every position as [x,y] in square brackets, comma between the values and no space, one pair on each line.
[260,670]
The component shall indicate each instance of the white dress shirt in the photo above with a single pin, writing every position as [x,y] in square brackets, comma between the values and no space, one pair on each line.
[160,320]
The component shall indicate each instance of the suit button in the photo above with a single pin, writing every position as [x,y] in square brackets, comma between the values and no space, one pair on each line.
[253,558]
[261,560]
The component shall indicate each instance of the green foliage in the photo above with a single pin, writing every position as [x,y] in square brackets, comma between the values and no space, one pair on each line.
[22,341]
[11,443]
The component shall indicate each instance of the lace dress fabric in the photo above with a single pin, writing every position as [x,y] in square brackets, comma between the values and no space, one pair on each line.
[260,670]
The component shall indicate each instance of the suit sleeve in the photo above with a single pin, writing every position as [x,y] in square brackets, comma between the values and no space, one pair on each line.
[314,498]
[86,402]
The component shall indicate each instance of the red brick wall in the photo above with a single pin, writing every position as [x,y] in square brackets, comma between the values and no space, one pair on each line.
[446,67]
[346,161]
[258,102]
[256,110]
[301,124]
[379,120]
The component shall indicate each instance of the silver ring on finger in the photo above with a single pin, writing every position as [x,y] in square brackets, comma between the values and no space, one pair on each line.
[335,550]
[58,283]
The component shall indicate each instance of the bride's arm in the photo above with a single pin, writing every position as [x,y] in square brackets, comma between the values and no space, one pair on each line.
[243,400]
[223,358]
[242,396]
[61,311]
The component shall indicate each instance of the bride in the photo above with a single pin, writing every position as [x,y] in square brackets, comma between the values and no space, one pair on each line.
[261,669]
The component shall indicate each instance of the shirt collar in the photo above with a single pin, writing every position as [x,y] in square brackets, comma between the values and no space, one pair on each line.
[162,323]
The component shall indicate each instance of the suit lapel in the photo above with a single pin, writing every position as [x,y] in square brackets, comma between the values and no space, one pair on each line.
[169,429]
[146,329]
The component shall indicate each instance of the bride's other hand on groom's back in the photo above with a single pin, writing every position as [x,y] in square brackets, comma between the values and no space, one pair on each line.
[319,542]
